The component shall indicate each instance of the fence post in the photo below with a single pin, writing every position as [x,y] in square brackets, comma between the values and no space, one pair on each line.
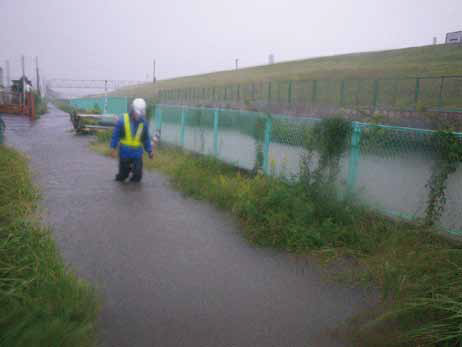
[182,126]
[342,92]
[315,91]
[417,92]
[289,93]
[375,96]
[238,92]
[440,97]
[215,132]
[269,91]
[266,145]
[355,154]
[32,106]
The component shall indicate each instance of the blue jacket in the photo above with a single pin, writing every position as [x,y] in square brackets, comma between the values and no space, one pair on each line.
[126,152]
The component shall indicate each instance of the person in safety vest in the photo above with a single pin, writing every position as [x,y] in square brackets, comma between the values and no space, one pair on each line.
[133,134]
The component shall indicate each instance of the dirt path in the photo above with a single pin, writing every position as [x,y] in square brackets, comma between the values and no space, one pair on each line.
[172,271]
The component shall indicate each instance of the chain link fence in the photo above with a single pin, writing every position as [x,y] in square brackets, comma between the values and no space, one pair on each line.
[441,94]
[388,168]
[115,105]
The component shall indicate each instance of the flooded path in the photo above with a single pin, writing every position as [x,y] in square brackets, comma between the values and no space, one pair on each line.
[172,271]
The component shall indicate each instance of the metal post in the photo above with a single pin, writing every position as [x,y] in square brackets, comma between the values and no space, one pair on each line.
[182,126]
[417,92]
[440,97]
[375,96]
[342,92]
[8,78]
[355,154]
[215,132]
[266,145]
[23,81]
[37,76]
[314,92]
[238,92]
[269,91]
[153,71]
[105,98]
[289,93]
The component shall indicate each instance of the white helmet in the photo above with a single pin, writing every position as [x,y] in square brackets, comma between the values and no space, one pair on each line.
[139,107]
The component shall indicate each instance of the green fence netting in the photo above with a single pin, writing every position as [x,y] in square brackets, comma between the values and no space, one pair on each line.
[442,93]
[387,167]
[115,105]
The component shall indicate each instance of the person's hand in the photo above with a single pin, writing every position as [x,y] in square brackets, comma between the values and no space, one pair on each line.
[113,153]
[151,155]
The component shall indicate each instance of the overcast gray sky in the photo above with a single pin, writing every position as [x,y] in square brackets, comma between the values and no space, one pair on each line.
[117,39]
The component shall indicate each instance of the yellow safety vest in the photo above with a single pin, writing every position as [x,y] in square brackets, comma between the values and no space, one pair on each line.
[129,140]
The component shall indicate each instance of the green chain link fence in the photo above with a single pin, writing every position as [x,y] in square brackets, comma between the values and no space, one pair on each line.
[115,105]
[443,93]
[387,167]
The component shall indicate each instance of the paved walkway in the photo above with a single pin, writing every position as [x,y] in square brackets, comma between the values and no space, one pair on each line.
[172,271]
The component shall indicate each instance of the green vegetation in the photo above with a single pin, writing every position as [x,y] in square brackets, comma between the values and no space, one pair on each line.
[65,106]
[409,62]
[418,271]
[42,303]
[41,104]
[450,155]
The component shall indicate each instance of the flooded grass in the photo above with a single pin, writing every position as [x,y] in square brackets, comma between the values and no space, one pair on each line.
[418,271]
[42,303]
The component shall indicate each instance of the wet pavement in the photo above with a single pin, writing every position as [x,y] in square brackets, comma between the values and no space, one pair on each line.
[173,271]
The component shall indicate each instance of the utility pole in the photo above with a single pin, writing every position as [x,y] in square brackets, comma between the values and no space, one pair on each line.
[237,63]
[7,66]
[23,80]
[154,72]
[38,75]
[105,97]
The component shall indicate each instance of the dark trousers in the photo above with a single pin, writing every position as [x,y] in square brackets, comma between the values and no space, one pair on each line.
[129,164]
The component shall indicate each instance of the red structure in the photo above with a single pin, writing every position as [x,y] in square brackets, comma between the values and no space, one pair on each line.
[12,103]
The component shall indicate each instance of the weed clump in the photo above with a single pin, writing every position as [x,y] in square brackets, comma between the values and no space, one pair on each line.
[42,303]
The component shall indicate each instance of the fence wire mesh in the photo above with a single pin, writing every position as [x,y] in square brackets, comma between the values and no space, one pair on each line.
[115,105]
[389,168]
[442,93]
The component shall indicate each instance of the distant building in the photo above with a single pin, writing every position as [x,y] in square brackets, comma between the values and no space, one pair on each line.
[455,37]
[271,59]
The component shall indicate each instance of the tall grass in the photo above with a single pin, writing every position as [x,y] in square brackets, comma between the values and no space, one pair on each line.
[418,271]
[41,104]
[42,303]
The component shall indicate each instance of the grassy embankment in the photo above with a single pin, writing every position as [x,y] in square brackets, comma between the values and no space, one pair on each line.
[42,303]
[418,272]
[408,62]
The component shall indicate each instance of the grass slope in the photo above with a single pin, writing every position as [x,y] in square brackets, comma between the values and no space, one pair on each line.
[42,303]
[408,62]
